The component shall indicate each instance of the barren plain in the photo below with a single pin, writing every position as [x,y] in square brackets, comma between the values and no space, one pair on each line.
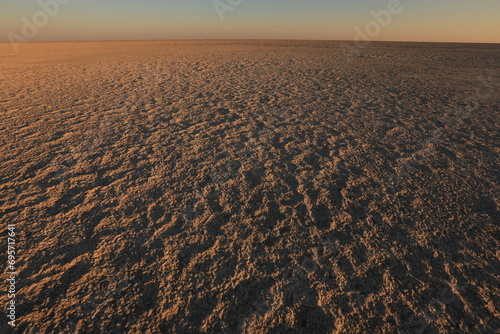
[251,187]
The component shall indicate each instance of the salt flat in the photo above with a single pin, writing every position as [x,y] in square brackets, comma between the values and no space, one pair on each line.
[252,186]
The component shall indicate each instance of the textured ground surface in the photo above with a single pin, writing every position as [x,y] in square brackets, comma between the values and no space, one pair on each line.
[252,187]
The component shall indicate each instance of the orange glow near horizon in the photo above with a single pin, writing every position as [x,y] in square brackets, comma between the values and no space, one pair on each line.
[442,21]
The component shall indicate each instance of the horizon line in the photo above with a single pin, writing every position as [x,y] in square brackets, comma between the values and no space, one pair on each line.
[248,39]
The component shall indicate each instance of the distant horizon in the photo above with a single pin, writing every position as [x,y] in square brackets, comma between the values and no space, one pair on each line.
[248,39]
[440,21]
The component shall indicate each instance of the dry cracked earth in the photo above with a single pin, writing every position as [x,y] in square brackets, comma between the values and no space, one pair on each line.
[251,187]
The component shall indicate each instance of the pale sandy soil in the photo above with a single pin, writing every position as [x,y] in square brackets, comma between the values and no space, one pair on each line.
[251,187]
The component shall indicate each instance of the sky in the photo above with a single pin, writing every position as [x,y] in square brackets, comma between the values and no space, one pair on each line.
[410,20]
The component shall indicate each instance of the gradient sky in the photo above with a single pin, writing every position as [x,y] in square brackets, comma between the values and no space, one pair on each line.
[420,20]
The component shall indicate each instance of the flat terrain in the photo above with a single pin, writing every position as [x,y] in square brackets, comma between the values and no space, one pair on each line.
[251,187]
